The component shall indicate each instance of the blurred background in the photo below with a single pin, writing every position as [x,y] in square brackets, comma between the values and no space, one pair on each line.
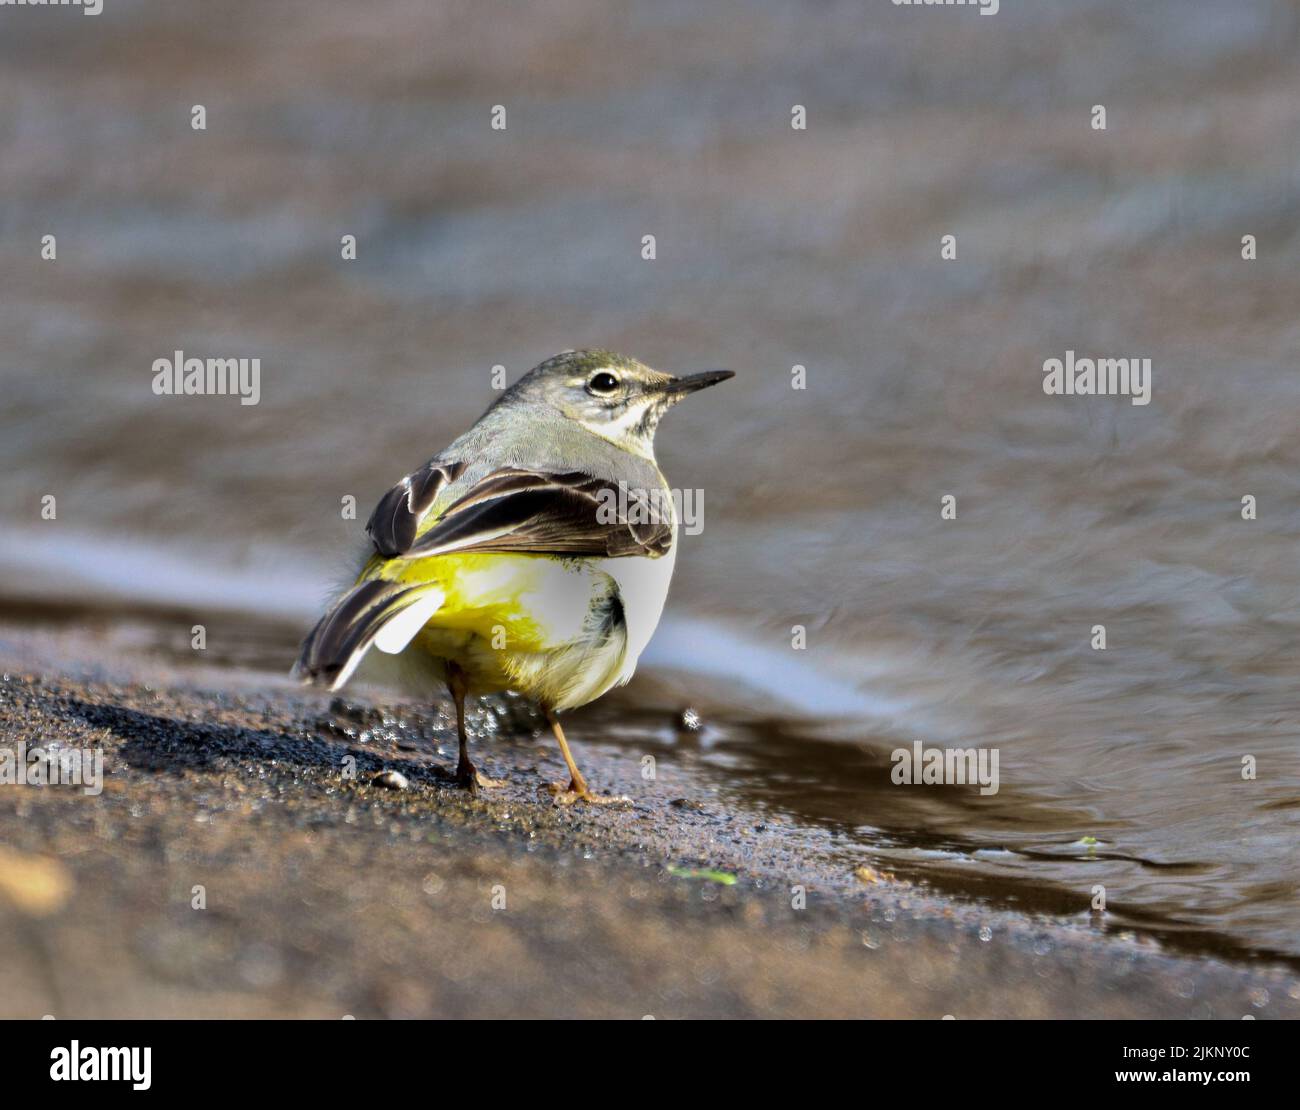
[775,247]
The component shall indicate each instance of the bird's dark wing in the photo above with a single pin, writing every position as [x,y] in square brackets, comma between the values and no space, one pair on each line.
[532,512]
[396,520]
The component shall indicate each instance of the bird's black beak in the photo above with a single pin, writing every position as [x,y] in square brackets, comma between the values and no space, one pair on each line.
[689,383]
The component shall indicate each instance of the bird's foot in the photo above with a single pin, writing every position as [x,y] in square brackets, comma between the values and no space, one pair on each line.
[567,794]
[470,778]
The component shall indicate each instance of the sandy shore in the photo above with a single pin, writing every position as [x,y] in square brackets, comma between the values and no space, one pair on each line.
[327,894]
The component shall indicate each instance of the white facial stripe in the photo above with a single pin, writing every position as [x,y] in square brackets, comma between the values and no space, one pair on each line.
[622,429]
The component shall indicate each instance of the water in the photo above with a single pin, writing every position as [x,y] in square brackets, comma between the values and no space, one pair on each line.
[775,248]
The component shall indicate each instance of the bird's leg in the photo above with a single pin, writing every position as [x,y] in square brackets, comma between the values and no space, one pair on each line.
[466,773]
[577,790]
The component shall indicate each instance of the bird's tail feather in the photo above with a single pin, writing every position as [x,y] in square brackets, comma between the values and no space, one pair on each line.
[373,613]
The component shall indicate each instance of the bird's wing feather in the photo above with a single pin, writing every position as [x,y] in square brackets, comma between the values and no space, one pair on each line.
[396,520]
[529,512]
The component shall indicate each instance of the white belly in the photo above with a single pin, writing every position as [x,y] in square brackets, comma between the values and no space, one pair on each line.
[643,589]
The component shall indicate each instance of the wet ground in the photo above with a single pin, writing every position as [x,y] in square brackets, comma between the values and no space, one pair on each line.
[326,892]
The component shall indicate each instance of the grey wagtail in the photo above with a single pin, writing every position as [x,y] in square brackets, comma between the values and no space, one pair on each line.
[533,554]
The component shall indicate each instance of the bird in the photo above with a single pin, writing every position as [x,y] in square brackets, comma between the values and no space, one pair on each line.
[533,554]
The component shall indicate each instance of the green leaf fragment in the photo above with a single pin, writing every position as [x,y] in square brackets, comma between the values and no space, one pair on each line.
[723,877]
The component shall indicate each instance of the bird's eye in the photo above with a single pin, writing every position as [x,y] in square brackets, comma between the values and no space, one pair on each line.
[602,384]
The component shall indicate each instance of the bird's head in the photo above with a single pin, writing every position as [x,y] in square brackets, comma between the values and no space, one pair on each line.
[610,395]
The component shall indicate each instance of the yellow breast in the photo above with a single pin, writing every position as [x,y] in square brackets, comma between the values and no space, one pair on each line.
[521,603]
